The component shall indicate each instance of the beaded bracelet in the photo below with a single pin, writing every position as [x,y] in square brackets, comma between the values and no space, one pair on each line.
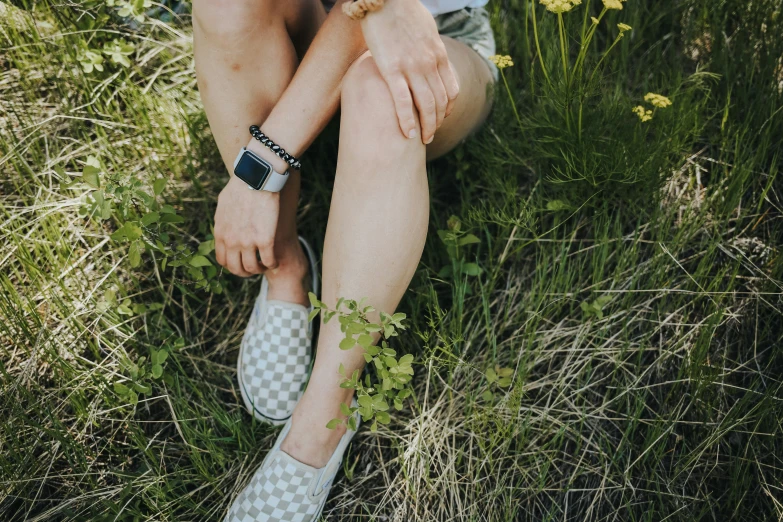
[294,163]
[358,8]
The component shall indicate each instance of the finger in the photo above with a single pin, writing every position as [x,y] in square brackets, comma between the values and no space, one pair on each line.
[450,82]
[425,102]
[234,263]
[403,105]
[441,99]
[220,253]
[268,258]
[250,262]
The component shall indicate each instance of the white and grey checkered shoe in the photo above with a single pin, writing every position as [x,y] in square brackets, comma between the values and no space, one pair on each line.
[284,489]
[274,358]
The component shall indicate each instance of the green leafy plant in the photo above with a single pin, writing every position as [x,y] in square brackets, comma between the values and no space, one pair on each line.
[580,133]
[144,223]
[595,308]
[497,377]
[130,8]
[90,60]
[142,220]
[142,373]
[124,306]
[389,382]
[457,241]
[118,51]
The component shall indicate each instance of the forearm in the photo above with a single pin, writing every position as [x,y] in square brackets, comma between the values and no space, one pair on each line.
[312,97]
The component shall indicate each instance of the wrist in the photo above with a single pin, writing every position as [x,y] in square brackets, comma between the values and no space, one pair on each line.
[236,184]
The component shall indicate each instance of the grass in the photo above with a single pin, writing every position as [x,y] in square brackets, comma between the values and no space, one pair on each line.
[631,281]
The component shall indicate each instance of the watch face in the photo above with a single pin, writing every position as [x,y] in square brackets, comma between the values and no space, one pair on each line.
[252,170]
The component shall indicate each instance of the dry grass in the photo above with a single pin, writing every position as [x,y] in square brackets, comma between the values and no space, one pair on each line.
[665,406]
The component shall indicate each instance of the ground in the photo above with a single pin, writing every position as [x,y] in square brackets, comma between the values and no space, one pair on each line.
[605,346]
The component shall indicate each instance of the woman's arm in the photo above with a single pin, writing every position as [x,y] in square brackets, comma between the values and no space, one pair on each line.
[313,95]
[246,220]
[405,44]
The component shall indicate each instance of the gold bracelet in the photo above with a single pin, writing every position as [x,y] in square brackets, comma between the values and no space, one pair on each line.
[357,9]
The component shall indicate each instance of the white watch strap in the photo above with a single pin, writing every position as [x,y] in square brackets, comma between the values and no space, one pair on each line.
[274,182]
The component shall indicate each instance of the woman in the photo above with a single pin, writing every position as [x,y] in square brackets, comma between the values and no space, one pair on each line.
[395,73]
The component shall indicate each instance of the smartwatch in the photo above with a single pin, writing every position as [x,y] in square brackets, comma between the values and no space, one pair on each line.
[258,172]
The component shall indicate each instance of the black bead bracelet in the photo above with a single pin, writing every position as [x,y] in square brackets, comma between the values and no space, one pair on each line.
[294,163]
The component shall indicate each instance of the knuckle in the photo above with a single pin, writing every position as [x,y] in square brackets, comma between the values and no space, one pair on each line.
[401,100]
[404,104]
[409,62]
[401,91]
[395,67]
[429,62]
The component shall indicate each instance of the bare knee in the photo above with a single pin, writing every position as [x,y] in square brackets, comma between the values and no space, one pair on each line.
[225,20]
[365,96]
[370,134]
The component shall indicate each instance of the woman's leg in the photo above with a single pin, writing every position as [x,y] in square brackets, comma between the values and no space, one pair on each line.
[246,54]
[377,225]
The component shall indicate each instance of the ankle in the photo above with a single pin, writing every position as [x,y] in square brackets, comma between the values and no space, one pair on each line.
[289,281]
[309,440]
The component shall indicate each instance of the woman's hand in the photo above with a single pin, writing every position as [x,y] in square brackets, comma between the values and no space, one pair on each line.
[404,41]
[245,223]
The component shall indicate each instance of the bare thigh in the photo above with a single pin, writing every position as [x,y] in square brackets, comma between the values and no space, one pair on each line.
[473,103]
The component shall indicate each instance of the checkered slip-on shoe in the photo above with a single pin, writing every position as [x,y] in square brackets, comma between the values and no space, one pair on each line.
[284,489]
[274,358]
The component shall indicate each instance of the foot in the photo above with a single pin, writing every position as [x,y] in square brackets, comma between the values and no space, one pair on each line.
[309,440]
[284,489]
[276,350]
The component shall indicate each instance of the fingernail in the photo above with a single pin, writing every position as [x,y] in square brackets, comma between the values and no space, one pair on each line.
[429,140]
[412,134]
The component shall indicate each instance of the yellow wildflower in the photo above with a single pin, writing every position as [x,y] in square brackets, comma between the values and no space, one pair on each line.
[560,6]
[613,4]
[624,27]
[644,114]
[594,19]
[657,100]
[501,61]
